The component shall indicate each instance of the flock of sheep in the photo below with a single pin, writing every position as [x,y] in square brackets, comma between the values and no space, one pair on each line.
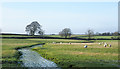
[105,44]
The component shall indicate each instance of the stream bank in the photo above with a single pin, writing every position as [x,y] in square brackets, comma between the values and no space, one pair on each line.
[31,58]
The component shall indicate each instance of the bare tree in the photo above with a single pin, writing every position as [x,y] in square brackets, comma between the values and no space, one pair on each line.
[65,32]
[90,33]
[33,28]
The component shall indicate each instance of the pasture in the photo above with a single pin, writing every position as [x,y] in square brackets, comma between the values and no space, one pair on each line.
[10,56]
[75,55]
[85,36]
[77,36]
[65,54]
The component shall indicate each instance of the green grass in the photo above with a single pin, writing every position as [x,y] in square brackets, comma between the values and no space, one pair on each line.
[53,35]
[60,40]
[10,56]
[75,55]
[96,37]
[18,36]
[78,36]
[84,36]
[65,55]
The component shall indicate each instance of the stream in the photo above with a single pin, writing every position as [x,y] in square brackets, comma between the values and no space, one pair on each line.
[31,58]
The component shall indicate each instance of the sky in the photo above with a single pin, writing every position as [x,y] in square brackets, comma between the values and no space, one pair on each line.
[55,16]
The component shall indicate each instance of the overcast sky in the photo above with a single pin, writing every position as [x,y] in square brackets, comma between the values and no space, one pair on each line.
[54,16]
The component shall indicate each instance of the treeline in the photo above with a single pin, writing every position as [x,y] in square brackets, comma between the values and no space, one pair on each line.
[108,34]
[35,28]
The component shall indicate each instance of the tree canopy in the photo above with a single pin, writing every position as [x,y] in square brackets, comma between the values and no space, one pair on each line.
[65,32]
[33,28]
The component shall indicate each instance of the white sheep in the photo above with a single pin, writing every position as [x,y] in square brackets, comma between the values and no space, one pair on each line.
[54,42]
[105,45]
[99,43]
[85,46]
[110,45]
[60,42]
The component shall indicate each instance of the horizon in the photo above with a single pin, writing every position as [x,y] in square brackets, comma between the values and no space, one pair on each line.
[55,16]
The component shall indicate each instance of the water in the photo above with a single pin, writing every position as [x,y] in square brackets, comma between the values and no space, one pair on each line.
[33,59]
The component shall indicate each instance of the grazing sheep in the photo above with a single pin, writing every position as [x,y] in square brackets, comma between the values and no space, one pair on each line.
[54,42]
[110,45]
[60,42]
[85,46]
[99,43]
[105,45]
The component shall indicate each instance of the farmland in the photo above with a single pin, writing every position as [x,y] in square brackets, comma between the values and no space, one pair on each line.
[75,55]
[77,36]
[65,54]
[10,56]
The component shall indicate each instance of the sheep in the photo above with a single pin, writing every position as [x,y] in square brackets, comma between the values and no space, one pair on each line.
[105,45]
[60,42]
[110,45]
[99,43]
[85,46]
[54,42]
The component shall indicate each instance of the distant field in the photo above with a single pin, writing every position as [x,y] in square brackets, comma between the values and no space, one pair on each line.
[17,36]
[75,55]
[83,36]
[68,37]
[78,36]
[95,37]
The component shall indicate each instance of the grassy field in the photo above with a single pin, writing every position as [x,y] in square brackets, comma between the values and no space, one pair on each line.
[75,55]
[65,55]
[84,36]
[78,36]
[18,36]
[96,37]
[61,40]
[10,56]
